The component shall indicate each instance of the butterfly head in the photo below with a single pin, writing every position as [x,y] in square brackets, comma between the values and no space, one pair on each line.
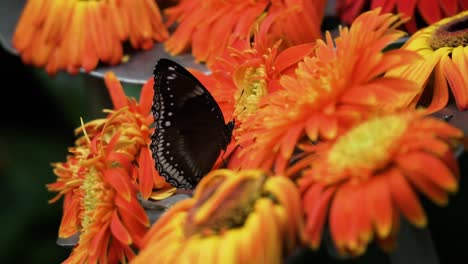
[228,128]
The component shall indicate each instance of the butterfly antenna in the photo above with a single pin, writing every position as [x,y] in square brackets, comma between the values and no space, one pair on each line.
[237,102]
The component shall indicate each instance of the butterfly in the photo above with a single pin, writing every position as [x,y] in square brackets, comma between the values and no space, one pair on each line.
[190,131]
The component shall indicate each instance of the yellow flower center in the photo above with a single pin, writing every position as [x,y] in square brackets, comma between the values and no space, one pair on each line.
[218,211]
[452,34]
[92,188]
[366,147]
[251,86]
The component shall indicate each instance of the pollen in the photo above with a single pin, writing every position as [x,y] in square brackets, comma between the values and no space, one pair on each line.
[367,147]
[225,210]
[453,34]
[92,188]
[252,86]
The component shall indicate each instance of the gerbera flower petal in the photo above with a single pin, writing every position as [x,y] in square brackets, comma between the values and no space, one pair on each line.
[132,208]
[70,222]
[430,12]
[431,167]
[379,203]
[116,177]
[405,198]
[340,229]
[117,94]
[119,231]
[290,56]
[316,216]
[146,96]
[146,173]
[456,80]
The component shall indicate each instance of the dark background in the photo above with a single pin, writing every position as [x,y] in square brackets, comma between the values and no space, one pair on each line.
[38,116]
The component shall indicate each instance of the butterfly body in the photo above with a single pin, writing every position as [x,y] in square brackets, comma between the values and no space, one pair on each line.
[190,131]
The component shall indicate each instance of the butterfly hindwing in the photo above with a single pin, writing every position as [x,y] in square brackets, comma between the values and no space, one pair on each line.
[190,130]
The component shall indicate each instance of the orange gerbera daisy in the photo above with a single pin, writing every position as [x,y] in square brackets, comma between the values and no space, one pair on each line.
[73,34]
[208,27]
[372,173]
[100,180]
[444,46]
[137,123]
[247,71]
[423,12]
[234,217]
[331,90]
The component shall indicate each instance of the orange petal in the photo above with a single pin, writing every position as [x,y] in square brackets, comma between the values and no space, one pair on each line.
[119,231]
[70,223]
[362,216]
[146,96]
[292,55]
[449,159]
[312,192]
[423,184]
[122,159]
[316,217]
[312,127]
[380,205]
[120,181]
[405,199]
[132,208]
[117,94]
[430,12]
[100,239]
[442,129]
[340,222]
[89,58]
[290,139]
[430,145]
[440,94]
[430,167]
[358,230]
[328,127]
[135,228]
[145,173]
[455,70]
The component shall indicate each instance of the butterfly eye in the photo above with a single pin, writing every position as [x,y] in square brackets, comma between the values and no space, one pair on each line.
[190,131]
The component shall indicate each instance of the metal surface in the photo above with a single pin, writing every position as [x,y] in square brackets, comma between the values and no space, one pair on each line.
[154,210]
[10,11]
[137,70]
[414,245]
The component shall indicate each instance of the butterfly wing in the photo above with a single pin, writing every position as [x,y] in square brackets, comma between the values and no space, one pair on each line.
[189,126]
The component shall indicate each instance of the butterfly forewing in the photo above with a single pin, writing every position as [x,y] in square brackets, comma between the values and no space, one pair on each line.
[190,130]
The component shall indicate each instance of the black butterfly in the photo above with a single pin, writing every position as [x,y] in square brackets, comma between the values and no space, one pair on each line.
[190,132]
